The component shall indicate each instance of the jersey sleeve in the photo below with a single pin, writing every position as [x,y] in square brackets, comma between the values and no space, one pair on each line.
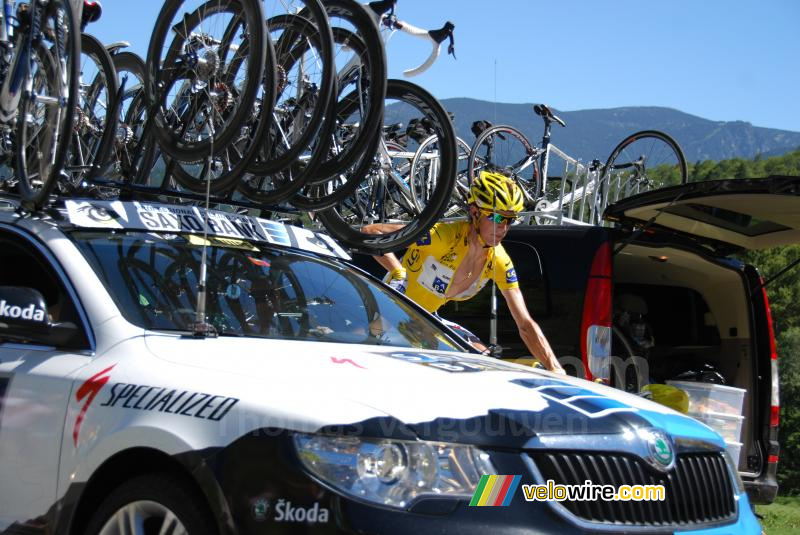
[505,276]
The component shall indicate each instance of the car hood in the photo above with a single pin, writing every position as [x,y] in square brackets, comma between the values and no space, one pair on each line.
[410,393]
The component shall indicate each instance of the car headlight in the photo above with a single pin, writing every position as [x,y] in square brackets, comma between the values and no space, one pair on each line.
[393,472]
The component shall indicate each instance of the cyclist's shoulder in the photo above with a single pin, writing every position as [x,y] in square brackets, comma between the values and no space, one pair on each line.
[502,255]
[444,232]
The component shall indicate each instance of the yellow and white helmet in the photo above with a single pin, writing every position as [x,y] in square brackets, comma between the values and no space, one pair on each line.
[496,192]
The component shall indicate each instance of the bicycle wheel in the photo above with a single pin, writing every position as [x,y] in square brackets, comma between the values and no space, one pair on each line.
[221,171]
[305,70]
[506,150]
[46,101]
[297,139]
[361,70]
[643,161]
[199,103]
[91,141]
[134,152]
[423,173]
[383,196]
[336,189]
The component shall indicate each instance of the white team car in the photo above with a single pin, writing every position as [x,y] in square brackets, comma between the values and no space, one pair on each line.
[309,398]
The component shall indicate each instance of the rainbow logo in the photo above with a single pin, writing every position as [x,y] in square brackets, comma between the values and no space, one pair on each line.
[495,490]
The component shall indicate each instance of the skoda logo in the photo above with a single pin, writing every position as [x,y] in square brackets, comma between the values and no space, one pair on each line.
[259,509]
[659,448]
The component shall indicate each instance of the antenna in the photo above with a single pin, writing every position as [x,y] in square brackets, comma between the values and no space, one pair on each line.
[494,349]
[495,91]
[201,328]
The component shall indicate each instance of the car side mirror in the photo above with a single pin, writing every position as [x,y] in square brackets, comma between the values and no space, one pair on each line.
[23,314]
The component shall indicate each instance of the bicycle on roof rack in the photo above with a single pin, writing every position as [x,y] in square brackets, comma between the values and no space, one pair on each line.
[642,161]
[39,49]
[384,193]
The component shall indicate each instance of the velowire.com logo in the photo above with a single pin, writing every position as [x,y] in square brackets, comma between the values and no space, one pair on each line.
[495,490]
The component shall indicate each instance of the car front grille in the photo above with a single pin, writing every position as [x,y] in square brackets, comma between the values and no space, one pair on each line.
[698,490]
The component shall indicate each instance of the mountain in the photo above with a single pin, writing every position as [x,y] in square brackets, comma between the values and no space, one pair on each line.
[593,134]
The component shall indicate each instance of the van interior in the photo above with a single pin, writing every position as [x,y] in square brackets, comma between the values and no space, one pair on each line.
[687,317]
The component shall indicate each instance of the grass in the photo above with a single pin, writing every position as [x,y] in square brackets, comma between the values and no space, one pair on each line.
[782,517]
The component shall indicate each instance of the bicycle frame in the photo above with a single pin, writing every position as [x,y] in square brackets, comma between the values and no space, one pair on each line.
[390,177]
[18,71]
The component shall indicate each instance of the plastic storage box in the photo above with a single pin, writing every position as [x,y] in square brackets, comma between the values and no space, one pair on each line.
[706,398]
[735,449]
[727,425]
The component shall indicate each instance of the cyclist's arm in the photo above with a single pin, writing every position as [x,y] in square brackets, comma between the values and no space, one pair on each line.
[389,261]
[530,331]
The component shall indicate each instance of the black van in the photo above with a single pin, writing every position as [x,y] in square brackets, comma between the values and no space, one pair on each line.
[660,284]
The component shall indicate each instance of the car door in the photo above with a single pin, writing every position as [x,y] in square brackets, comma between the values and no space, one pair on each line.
[35,385]
[726,215]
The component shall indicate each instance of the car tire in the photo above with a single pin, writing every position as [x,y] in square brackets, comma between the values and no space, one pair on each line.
[149,504]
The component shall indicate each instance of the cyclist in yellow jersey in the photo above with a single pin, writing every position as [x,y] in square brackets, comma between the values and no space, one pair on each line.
[454,260]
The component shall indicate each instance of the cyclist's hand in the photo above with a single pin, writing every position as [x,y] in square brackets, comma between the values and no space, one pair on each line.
[397,279]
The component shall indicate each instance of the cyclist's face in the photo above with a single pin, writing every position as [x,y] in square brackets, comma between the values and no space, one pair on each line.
[491,231]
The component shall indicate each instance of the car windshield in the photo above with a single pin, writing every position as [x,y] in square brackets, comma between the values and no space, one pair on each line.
[252,290]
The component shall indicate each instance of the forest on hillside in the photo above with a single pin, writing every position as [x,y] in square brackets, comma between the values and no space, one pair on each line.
[784,298]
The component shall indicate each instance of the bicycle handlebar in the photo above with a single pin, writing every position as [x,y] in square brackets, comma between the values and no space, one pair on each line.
[435,37]
[383,11]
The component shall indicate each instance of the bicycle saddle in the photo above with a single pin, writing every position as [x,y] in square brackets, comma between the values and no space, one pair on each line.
[479,126]
[116,46]
[543,111]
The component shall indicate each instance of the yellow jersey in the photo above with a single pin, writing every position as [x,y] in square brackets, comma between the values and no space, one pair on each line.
[432,261]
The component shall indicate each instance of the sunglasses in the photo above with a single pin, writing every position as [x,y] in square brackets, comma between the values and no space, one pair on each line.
[500,219]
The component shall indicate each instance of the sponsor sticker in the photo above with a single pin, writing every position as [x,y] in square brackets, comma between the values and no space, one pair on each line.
[414,257]
[511,275]
[425,239]
[169,400]
[285,511]
[449,257]
[156,217]
[439,285]
[25,312]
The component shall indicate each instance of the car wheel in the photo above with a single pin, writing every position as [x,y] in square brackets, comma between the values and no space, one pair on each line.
[152,504]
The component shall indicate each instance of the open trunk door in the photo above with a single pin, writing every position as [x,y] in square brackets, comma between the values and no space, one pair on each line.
[726,215]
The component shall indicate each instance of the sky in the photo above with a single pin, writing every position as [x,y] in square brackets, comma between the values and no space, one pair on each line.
[724,60]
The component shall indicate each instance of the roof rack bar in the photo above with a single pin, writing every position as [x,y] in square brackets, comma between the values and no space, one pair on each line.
[134,191]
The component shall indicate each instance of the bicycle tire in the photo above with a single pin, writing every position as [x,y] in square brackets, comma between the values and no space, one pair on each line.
[458,198]
[296,98]
[34,187]
[647,147]
[164,73]
[233,160]
[505,149]
[134,150]
[348,232]
[272,176]
[316,197]
[97,141]
[366,43]
[333,189]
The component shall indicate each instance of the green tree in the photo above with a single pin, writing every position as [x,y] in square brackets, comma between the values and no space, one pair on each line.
[789,438]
